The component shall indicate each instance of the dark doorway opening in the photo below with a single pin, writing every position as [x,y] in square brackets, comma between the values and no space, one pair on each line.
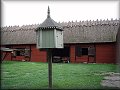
[61,55]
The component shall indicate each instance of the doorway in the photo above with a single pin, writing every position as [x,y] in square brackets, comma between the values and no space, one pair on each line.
[61,55]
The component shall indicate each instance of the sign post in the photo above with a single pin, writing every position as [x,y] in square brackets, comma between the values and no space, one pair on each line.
[49,35]
[49,54]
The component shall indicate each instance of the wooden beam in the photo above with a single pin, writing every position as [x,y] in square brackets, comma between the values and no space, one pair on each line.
[95,53]
[30,53]
[4,56]
[49,54]
[11,53]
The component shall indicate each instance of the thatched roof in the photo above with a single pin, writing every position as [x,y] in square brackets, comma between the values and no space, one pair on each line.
[74,32]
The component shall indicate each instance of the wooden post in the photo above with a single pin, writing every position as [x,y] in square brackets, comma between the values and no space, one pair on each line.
[49,54]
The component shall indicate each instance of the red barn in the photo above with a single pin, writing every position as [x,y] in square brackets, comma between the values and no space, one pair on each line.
[86,41]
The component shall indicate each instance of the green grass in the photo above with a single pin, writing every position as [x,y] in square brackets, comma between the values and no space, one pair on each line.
[33,75]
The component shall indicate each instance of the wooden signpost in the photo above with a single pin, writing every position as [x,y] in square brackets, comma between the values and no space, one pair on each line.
[49,35]
[49,53]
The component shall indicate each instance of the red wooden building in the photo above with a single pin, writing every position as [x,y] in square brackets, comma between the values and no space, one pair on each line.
[84,41]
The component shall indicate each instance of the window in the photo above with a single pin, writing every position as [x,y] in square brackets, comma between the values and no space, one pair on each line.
[84,51]
[91,51]
[27,52]
[21,52]
[78,51]
[81,51]
[18,53]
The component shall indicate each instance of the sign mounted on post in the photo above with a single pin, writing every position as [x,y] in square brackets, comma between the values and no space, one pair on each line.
[49,35]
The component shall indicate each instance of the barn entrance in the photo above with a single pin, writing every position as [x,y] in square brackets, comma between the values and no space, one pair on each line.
[61,55]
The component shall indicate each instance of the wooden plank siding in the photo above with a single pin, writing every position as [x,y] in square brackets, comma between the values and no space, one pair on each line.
[85,58]
[35,54]
[72,53]
[104,53]
[7,56]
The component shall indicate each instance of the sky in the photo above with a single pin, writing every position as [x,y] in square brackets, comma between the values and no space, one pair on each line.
[35,12]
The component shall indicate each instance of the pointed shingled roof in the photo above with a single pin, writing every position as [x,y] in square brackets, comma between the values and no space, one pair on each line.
[50,23]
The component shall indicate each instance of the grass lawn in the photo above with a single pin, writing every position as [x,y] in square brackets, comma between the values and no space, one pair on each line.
[34,75]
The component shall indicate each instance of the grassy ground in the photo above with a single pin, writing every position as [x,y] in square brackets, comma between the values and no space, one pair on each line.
[33,75]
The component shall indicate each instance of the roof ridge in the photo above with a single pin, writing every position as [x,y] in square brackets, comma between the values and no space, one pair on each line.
[69,23]
[91,22]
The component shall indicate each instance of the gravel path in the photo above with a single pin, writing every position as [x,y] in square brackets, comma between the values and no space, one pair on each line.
[112,80]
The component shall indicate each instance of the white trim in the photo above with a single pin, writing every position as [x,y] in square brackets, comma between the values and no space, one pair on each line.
[55,41]
[37,38]
[40,39]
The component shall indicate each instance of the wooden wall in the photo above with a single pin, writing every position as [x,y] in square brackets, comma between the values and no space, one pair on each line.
[80,59]
[35,56]
[6,56]
[72,53]
[85,58]
[105,53]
